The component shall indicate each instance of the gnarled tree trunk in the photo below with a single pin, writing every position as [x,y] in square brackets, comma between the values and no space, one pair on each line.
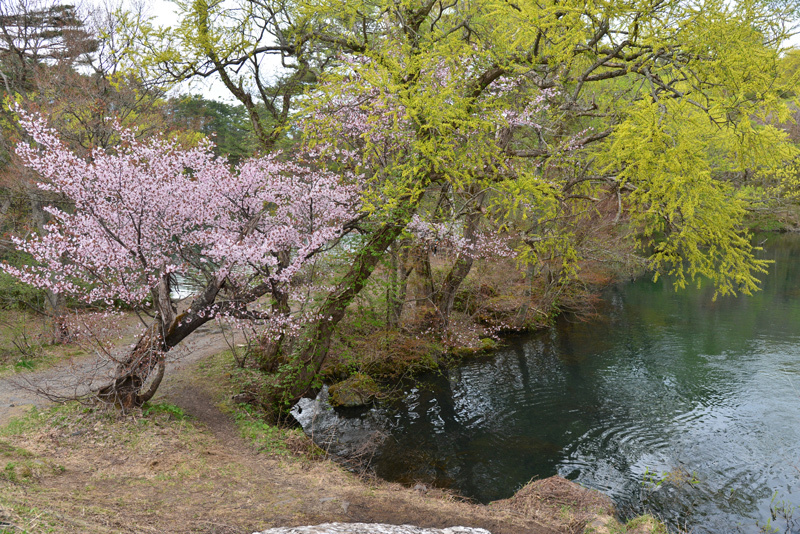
[134,370]
[445,297]
[297,380]
[145,364]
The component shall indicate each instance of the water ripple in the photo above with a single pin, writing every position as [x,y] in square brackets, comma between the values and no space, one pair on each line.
[677,404]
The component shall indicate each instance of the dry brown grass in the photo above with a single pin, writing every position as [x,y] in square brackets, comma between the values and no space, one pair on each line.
[556,498]
[184,466]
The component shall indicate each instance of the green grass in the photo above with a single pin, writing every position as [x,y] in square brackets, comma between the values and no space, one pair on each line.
[267,438]
[647,521]
[28,470]
[19,466]
[250,421]
[21,425]
[23,346]
[172,411]
[35,520]
[9,451]
[19,363]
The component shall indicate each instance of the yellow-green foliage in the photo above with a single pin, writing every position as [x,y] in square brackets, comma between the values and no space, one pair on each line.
[699,112]
[670,153]
[648,103]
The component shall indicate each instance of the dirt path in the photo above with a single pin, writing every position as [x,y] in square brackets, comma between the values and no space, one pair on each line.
[198,475]
[77,376]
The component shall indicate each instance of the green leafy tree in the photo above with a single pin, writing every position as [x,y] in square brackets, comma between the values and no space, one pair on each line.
[253,47]
[646,102]
[226,124]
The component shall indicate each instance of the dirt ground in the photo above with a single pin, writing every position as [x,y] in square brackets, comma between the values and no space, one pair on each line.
[183,466]
[77,374]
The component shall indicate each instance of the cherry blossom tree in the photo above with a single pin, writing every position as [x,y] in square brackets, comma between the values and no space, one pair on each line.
[151,211]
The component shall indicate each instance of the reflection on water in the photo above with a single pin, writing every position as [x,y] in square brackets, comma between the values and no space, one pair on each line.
[673,402]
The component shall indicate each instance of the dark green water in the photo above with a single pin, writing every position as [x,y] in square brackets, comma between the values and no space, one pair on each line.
[708,391]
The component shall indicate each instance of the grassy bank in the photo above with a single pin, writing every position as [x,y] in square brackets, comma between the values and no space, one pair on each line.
[198,461]
[779,216]
[194,461]
[496,299]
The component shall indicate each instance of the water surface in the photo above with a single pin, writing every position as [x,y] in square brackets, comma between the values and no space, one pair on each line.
[672,402]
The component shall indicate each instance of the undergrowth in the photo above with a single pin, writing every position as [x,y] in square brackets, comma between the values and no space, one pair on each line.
[251,421]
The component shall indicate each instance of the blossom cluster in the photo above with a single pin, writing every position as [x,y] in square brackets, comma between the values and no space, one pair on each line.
[153,208]
[448,235]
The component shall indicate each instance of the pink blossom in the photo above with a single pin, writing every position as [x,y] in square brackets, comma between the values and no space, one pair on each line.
[150,209]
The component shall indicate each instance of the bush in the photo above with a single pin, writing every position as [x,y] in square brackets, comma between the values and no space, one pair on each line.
[16,295]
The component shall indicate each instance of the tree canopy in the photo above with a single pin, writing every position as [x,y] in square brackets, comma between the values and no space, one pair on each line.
[34,33]
[495,126]
[701,80]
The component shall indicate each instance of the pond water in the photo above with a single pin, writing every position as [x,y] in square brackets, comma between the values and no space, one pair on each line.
[671,403]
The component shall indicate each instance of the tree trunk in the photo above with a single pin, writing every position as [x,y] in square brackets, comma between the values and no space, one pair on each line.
[422,264]
[399,272]
[56,311]
[446,296]
[133,371]
[146,362]
[55,305]
[294,383]
[269,353]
